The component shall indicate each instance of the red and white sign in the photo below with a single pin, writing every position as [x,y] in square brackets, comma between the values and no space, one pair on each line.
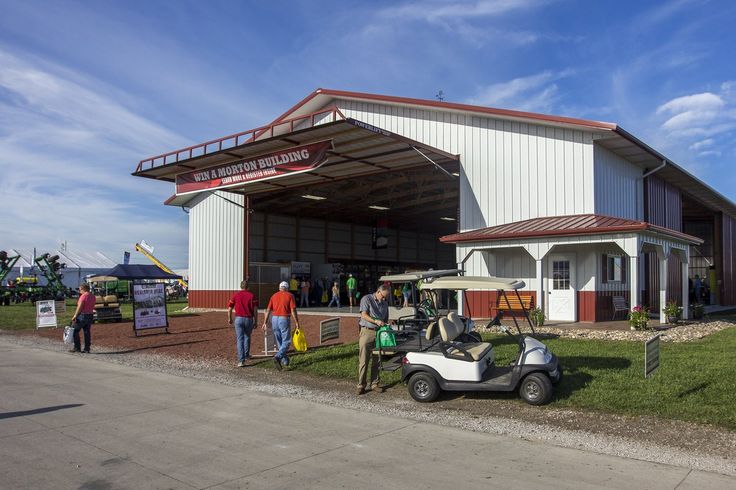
[264,167]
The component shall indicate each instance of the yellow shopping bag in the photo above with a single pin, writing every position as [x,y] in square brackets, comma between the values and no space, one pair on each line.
[299,340]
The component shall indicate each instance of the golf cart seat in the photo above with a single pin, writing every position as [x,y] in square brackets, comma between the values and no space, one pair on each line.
[431,331]
[471,351]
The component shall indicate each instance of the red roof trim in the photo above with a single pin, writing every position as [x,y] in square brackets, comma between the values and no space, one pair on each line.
[572,225]
[451,106]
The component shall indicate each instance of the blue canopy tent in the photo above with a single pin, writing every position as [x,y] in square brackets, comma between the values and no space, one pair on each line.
[134,272]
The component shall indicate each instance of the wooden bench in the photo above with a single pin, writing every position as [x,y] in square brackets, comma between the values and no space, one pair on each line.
[619,304]
[511,302]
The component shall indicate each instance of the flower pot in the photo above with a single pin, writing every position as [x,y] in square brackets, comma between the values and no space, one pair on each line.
[672,319]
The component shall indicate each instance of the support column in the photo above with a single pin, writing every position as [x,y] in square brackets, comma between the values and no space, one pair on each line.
[662,286]
[540,285]
[634,275]
[685,292]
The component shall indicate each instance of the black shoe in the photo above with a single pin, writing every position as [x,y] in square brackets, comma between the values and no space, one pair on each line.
[277,362]
[86,351]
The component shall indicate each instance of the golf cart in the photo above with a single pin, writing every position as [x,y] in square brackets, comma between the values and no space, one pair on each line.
[424,306]
[445,357]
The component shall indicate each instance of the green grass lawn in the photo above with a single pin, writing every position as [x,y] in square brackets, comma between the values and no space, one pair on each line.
[23,316]
[695,380]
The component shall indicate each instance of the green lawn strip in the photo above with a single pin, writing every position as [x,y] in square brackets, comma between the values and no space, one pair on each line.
[22,316]
[695,381]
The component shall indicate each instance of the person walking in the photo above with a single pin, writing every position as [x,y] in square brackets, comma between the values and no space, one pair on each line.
[305,293]
[281,307]
[335,295]
[294,286]
[352,285]
[373,314]
[246,312]
[82,318]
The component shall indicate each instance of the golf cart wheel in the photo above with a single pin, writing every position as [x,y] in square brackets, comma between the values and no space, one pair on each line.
[536,389]
[423,387]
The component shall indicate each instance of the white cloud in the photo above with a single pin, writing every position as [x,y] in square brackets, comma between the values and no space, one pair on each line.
[537,92]
[67,148]
[702,144]
[435,11]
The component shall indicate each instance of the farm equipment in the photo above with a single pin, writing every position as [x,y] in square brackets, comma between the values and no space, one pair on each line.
[49,266]
[148,252]
[6,265]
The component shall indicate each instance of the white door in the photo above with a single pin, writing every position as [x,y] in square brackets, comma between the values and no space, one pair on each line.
[562,305]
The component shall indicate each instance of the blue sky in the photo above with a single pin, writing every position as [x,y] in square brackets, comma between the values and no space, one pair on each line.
[87,89]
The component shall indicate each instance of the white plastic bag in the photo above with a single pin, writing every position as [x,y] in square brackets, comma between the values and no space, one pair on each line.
[69,335]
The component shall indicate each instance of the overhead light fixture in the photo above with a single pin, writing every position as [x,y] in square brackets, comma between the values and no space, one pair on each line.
[456,174]
[447,218]
[314,198]
[379,208]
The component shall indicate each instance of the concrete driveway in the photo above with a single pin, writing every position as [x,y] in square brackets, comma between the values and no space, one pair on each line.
[73,421]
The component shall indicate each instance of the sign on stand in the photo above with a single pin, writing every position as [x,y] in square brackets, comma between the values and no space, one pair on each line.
[45,314]
[329,329]
[149,307]
[651,355]
[60,306]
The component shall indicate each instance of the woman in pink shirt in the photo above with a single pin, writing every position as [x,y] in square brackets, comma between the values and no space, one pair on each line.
[82,319]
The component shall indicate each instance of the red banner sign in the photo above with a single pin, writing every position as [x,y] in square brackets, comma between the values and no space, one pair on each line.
[263,167]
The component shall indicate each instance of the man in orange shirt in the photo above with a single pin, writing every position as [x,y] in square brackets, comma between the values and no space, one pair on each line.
[281,307]
[82,319]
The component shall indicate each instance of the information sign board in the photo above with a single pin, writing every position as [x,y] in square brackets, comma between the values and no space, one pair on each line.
[45,313]
[329,329]
[149,307]
[651,356]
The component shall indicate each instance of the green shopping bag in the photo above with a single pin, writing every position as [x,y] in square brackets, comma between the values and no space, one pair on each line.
[385,337]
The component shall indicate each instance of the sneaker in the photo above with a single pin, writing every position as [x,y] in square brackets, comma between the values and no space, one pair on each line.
[277,362]
[377,387]
[241,364]
[360,391]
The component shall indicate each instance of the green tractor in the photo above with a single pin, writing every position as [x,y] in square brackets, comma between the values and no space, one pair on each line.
[7,292]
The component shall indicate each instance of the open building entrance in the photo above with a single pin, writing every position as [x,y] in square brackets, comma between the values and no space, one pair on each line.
[377,203]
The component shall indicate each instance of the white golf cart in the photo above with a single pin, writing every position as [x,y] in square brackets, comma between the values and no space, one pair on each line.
[445,357]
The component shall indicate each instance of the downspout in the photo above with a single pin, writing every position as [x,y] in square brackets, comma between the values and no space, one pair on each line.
[656,169]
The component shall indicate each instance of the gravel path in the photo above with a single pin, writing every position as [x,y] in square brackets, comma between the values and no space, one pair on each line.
[645,438]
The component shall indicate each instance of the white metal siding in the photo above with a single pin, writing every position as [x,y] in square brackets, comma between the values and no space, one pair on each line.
[618,186]
[216,243]
[511,171]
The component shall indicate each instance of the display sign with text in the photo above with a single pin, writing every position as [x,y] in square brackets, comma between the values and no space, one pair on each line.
[149,306]
[329,330]
[46,313]
[651,356]
[263,167]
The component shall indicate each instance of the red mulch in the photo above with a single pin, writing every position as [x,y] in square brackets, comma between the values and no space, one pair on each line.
[199,335]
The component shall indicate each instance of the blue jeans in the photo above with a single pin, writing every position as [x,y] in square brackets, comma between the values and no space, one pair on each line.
[336,300]
[84,323]
[282,336]
[243,330]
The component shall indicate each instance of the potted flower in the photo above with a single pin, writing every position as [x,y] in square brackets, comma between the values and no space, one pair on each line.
[697,311]
[639,317]
[537,316]
[672,312]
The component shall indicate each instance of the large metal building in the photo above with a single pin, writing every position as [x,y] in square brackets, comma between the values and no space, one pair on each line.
[581,210]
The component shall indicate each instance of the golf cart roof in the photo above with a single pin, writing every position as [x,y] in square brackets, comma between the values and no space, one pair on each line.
[462,283]
[417,275]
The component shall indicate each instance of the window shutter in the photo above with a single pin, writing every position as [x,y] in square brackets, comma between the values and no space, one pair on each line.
[604,268]
[624,259]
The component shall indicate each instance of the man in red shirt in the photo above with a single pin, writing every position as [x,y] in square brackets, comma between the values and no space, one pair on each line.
[281,306]
[82,318]
[246,312]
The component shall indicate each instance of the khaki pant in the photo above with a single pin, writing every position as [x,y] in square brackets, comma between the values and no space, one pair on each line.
[366,344]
